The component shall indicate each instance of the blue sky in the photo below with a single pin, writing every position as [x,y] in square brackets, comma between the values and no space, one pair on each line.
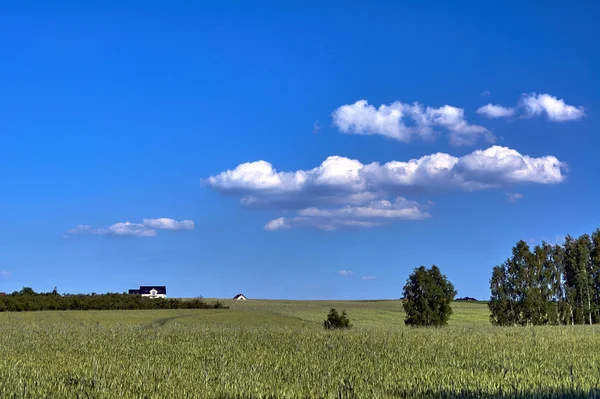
[294,150]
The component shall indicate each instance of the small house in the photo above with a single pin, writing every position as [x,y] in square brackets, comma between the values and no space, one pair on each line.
[150,291]
[240,297]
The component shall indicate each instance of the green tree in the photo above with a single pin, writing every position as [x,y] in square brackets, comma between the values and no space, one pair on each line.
[511,291]
[554,284]
[427,297]
[27,291]
[522,288]
[502,303]
[579,278]
[595,267]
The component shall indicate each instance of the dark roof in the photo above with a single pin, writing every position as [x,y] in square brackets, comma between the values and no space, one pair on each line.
[160,289]
[145,290]
[239,295]
[467,298]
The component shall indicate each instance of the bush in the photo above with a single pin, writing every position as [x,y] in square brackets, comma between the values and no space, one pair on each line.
[335,320]
[427,297]
[29,300]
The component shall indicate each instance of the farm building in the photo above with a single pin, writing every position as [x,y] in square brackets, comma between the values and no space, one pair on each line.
[151,291]
[240,297]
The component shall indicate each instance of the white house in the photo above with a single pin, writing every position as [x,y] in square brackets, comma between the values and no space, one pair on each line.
[151,291]
[240,297]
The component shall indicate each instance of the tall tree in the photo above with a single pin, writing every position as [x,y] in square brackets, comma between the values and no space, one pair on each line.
[579,277]
[555,264]
[502,303]
[595,268]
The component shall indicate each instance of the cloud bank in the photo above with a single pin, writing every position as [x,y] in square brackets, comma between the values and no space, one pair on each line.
[403,122]
[343,192]
[148,228]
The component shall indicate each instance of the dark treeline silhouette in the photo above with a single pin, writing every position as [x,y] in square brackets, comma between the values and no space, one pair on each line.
[551,284]
[29,300]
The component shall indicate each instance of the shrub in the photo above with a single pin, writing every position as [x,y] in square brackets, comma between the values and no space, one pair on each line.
[336,320]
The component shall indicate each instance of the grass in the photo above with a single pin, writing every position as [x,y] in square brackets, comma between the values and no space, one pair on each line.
[278,349]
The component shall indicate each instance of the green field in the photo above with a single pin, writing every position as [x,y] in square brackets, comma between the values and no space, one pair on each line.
[278,349]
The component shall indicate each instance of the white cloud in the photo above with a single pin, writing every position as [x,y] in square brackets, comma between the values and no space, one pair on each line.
[316,128]
[374,214]
[348,181]
[169,224]
[345,273]
[343,192]
[486,93]
[555,109]
[117,229]
[495,111]
[530,105]
[513,197]
[277,224]
[127,229]
[369,278]
[403,122]
[4,274]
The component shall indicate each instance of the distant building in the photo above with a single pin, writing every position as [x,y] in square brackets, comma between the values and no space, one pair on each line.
[2,293]
[151,291]
[240,297]
[467,298]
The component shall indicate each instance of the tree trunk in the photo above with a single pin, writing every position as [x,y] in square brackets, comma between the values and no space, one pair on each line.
[589,306]
[572,318]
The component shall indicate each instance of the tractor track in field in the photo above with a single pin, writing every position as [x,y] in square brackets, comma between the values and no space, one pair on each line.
[162,322]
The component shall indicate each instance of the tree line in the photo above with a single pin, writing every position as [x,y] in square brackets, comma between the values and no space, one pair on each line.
[549,284]
[29,300]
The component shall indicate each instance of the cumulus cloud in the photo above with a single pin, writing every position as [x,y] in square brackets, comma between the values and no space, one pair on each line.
[277,224]
[513,197]
[531,105]
[555,109]
[343,192]
[4,274]
[495,111]
[403,122]
[148,228]
[345,273]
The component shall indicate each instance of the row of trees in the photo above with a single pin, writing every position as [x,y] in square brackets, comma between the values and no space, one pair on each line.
[29,300]
[549,284]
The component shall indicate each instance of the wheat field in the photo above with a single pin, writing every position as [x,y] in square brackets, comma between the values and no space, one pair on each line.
[278,349]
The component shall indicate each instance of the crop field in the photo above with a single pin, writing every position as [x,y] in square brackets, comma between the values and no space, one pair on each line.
[278,349]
